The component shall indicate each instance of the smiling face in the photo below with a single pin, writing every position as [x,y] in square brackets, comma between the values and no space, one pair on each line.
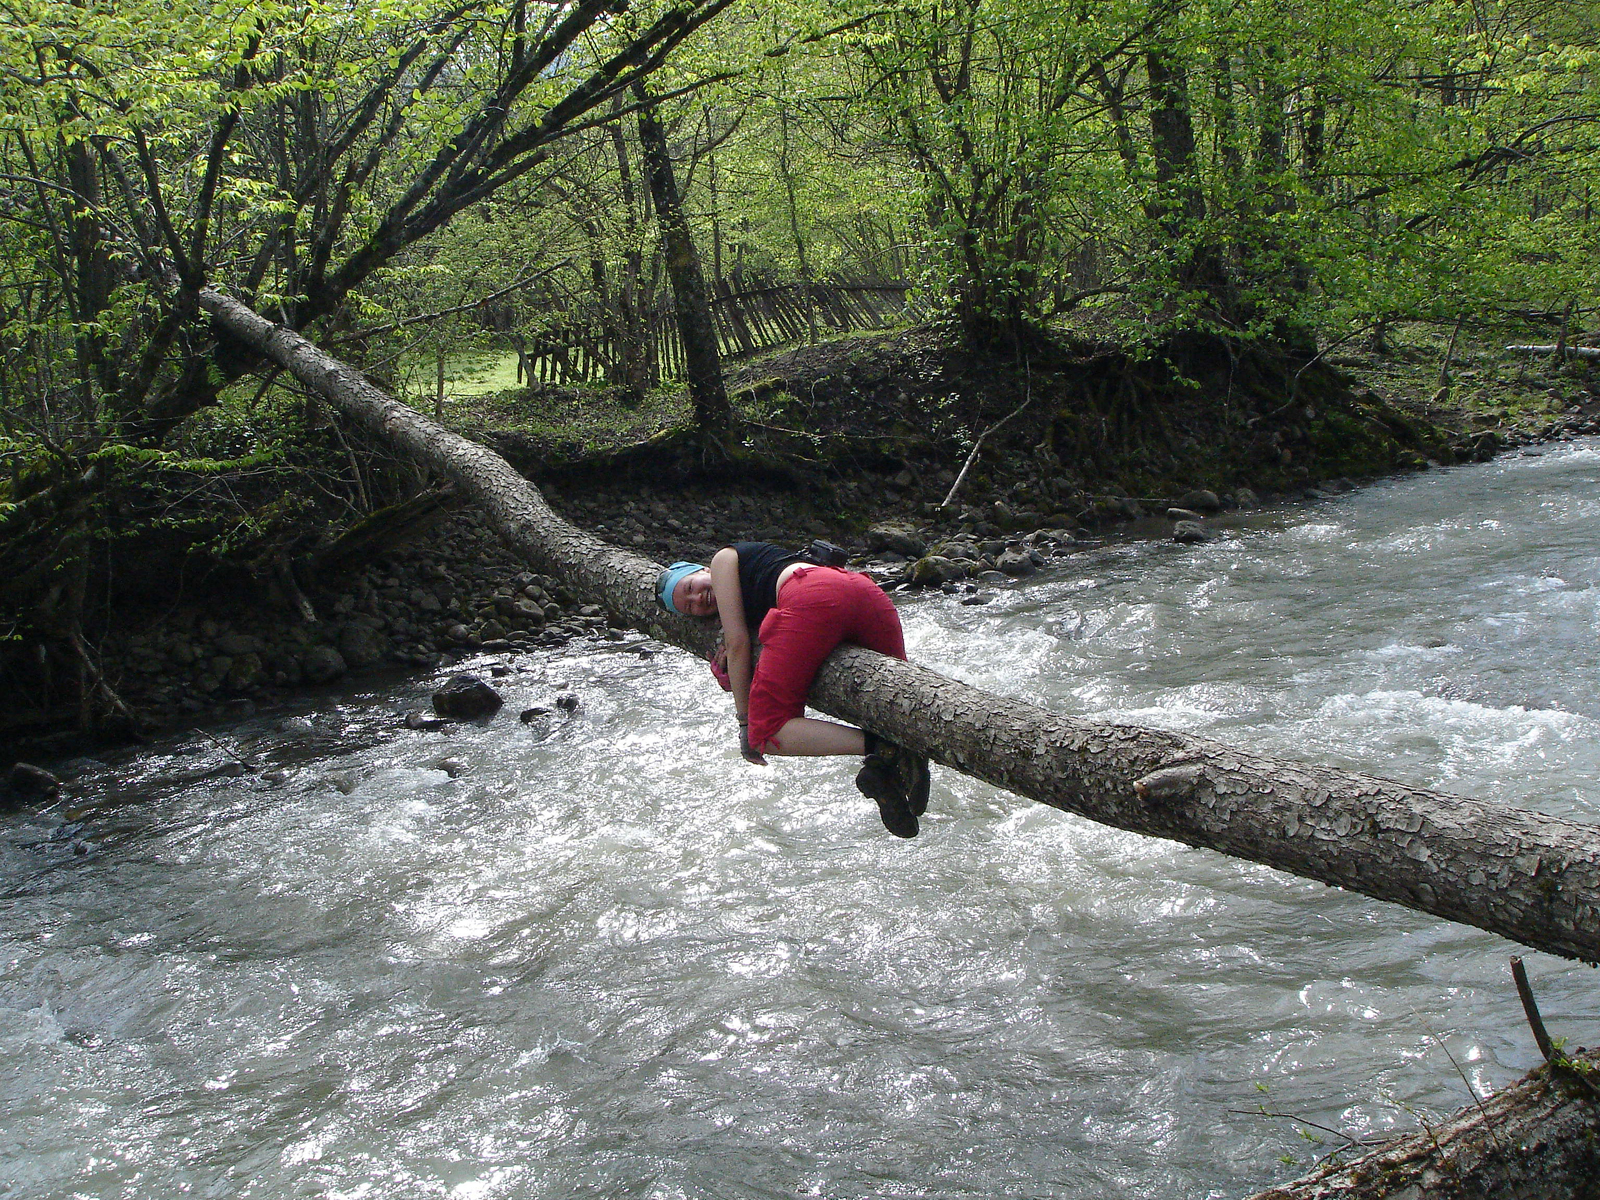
[694,596]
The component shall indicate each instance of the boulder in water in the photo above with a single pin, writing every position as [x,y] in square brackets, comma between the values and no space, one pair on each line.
[1201,499]
[1190,531]
[27,784]
[465,698]
[1016,561]
[895,539]
[936,569]
[322,663]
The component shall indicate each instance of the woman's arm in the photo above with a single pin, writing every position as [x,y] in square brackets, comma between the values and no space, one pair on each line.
[735,637]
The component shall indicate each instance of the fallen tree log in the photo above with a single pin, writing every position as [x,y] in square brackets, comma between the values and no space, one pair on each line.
[1538,1139]
[1574,351]
[1528,877]
[383,530]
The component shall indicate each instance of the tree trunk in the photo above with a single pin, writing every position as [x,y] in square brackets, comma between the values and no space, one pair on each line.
[1528,877]
[1536,1140]
[702,360]
[784,168]
[1178,206]
[631,363]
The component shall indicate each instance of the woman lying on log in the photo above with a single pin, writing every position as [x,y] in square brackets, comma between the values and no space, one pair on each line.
[798,613]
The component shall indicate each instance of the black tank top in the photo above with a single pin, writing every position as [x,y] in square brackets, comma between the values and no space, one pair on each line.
[760,564]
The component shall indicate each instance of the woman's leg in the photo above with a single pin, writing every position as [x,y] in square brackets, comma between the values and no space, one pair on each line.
[808,736]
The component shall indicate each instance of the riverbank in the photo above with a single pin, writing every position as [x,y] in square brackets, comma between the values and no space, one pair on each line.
[859,442]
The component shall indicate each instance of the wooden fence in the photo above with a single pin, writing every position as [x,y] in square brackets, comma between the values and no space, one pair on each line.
[751,314]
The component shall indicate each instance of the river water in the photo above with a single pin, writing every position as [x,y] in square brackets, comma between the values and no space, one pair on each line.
[599,956]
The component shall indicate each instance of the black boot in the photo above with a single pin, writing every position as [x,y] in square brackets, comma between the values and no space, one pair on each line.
[886,776]
[910,769]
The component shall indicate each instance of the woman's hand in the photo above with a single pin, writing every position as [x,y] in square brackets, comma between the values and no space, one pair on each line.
[719,668]
[746,750]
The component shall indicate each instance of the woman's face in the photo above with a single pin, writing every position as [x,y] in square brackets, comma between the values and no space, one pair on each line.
[694,596]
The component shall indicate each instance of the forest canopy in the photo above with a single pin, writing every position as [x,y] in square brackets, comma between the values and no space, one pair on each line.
[405,181]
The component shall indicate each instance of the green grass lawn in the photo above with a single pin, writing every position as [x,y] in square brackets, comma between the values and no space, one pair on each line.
[465,377]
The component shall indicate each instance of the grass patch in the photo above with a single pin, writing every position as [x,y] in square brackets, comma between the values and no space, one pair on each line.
[575,420]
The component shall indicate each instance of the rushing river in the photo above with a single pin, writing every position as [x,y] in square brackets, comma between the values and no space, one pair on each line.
[599,956]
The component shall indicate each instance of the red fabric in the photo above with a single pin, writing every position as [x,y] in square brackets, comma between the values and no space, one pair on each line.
[818,607]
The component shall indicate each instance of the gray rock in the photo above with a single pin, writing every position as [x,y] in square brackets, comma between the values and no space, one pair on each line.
[235,644]
[936,569]
[1190,531]
[417,719]
[245,672]
[453,767]
[978,598]
[896,538]
[27,784]
[1201,499]
[361,645]
[319,664]
[1016,562]
[492,631]
[466,697]
[1183,514]
[1245,498]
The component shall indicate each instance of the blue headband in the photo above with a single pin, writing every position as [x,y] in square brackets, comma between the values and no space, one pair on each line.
[668,580]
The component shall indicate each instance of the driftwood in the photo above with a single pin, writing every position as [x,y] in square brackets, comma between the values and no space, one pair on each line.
[1536,1140]
[1531,878]
[384,529]
[1574,351]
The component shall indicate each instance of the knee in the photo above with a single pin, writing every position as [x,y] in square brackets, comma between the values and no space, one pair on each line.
[775,744]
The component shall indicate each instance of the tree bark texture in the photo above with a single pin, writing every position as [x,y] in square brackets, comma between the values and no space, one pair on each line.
[1531,878]
[1536,1140]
